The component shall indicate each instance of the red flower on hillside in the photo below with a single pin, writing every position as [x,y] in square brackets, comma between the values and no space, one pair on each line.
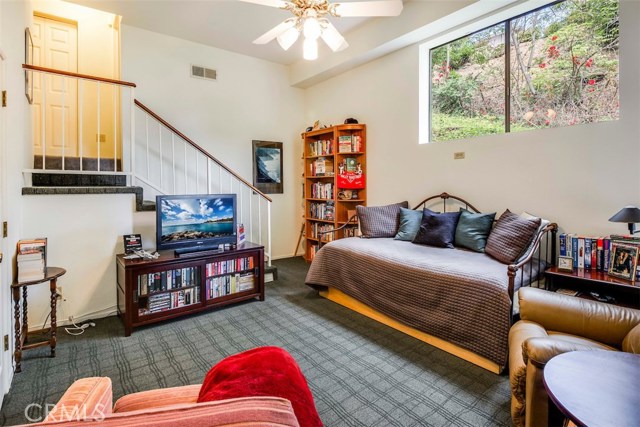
[576,60]
[553,52]
[589,62]
[591,82]
[542,65]
[554,38]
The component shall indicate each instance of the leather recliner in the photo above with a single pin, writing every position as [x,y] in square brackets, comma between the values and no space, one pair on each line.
[552,324]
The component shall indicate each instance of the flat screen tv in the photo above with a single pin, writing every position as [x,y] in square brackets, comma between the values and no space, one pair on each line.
[201,221]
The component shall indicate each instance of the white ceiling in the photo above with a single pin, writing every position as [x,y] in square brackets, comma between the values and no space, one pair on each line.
[226,24]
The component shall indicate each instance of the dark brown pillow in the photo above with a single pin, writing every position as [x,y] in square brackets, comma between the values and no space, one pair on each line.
[510,236]
[380,221]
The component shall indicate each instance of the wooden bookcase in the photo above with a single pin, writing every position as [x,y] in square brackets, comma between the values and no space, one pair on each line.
[150,291]
[324,208]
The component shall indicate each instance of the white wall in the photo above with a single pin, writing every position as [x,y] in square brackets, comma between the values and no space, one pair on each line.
[251,100]
[577,176]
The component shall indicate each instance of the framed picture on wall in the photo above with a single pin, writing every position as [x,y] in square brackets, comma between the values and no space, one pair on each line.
[267,166]
[28,59]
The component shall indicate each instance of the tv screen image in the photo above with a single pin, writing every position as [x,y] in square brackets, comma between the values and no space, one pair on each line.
[193,220]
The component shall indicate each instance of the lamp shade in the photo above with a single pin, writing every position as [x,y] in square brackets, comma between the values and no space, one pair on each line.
[627,214]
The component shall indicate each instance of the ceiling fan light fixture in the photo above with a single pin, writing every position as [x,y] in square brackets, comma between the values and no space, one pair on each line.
[311,28]
[288,38]
[310,49]
[333,38]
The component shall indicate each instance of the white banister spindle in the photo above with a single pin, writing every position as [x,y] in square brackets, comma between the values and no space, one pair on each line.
[173,161]
[269,232]
[240,197]
[161,158]
[43,121]
[197,173]
[115,128]
[251,214]
[64,90]
[185,167]
[220,178]
[146,127]
[99,139]
[259,221]
[208,175]
[132,134]
[80,121]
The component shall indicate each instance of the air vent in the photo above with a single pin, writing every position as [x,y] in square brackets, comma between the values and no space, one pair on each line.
[203,72]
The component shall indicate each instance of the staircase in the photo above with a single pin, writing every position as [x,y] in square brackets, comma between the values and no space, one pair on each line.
[151,157]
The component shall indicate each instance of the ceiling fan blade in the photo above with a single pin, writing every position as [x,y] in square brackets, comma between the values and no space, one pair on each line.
[333,38]
[370,8]
[273,3]
[275,31]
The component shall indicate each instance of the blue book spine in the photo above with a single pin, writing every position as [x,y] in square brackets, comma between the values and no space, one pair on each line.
[563,244]
[607,254]
[574,250]
[587,253]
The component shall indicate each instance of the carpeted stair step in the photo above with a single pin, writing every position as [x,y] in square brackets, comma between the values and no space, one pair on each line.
[77,180]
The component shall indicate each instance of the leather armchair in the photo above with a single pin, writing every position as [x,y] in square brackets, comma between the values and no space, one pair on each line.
[552,324]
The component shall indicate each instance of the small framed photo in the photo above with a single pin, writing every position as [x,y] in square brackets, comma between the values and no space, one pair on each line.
[624,261]
[565,263]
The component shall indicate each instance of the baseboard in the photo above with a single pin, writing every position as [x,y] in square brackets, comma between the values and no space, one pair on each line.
[105,312]
[345,300]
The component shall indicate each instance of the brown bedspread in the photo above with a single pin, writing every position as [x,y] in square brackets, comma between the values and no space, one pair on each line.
[459,296]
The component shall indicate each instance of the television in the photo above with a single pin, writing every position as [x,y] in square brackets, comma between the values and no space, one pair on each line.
[195,222]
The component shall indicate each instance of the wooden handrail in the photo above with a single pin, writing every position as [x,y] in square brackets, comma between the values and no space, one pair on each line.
[77,75]
[197,147]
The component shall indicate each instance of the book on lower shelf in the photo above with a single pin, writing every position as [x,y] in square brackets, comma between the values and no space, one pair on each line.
[167,280]
[170,300]
[229,284]
[569,292]
[31,259]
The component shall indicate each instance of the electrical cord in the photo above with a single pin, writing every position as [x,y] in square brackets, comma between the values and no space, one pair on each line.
[78,329]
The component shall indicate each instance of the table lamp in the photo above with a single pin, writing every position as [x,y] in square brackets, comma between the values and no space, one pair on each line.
[628,214]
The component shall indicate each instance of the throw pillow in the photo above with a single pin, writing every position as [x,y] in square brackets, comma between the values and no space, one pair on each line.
[510,236]
[409,224]
[437,229]
[543,224]
[473,229]
[380,221]
[262,371]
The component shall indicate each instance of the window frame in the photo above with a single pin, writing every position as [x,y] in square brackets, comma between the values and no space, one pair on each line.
[500,16]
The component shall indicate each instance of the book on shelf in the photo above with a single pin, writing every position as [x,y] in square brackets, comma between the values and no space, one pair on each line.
[321,148]
[31,259]
[569,292]
[167,280]
[345,144]
[351,164]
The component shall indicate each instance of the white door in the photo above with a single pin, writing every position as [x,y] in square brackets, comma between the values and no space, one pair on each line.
[5,316]
[55,45]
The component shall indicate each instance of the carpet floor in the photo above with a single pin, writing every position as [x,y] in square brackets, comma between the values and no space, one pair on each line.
[360,372]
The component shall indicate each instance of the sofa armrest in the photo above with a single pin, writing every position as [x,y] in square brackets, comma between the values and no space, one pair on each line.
[539,350]
[86,399]
[157,398]
[631,343]
[590,319]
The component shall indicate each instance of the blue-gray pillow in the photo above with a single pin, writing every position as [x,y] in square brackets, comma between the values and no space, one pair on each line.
[409,224]
[473,229]
[437,229]
[380,221]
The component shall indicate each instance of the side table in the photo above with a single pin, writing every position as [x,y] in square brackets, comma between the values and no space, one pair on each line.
[21,332]
[594,388]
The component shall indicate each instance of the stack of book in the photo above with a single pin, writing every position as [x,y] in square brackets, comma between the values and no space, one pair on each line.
[32,259]
[593,253]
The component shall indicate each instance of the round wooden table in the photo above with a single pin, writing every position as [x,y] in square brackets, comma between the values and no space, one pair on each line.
[595,388]
[51,275]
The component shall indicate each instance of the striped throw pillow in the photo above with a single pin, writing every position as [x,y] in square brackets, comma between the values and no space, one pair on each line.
[380,221]
[510,236]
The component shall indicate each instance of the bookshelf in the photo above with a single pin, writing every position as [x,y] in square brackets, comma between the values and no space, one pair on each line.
[150,291]
[327,152]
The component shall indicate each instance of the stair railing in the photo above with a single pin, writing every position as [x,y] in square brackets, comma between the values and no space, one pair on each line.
[168,162]
[84,98]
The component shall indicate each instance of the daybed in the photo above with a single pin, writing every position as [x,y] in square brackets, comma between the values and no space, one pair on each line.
[458,300]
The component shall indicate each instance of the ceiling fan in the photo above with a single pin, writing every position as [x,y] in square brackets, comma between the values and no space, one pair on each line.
[310,19]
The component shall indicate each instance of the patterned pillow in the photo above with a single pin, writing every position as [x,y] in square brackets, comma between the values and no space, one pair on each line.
[380,221]
[437,229]
[473,229]
[510,236]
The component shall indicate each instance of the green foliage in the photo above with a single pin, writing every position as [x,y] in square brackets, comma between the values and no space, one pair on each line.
[459,54]
[455,94]
[445,127]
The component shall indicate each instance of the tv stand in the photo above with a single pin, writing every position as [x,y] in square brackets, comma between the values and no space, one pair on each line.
[154,290]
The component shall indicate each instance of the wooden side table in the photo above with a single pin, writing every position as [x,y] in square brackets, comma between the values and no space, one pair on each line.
[21,332]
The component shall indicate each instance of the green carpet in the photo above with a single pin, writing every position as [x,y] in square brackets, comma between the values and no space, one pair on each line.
[361,373]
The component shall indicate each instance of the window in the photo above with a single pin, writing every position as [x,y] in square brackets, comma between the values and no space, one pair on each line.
[554,66]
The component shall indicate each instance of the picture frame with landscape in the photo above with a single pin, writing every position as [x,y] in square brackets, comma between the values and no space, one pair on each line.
[624,261]
[267,166]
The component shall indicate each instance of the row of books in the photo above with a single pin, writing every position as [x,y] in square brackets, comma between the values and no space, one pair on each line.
[351,231]
[349,144]
[320,228]
[322,190]
[229,266]
[321,148]
[323,211]
[32,259]
[229,284]
[592,252]
[167,280]
[169,300]
[313,249]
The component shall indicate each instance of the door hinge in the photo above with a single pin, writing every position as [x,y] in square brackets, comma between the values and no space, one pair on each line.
[5,229]
[4,98]
[6,343]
